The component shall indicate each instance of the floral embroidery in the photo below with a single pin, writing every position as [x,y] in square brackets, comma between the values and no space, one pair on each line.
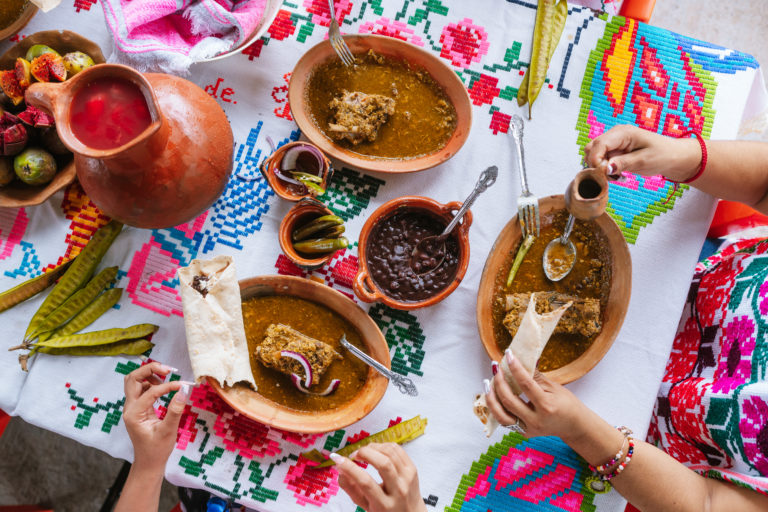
[283,26]
[735,365]
[484,90]
[321,14]
[312,486]
[394,28]
[753,427]
[463,43]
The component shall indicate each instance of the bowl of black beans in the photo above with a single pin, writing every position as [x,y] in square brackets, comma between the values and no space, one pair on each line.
[386,270]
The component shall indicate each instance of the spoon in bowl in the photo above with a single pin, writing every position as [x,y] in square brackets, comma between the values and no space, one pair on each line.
[560,254]
[404,384]
[429,253]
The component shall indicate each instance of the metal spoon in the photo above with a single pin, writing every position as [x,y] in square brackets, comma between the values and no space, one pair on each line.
[563,250]
[429,253]
[404,384]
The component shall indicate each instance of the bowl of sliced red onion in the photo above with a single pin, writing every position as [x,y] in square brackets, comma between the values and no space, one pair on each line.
[297,170]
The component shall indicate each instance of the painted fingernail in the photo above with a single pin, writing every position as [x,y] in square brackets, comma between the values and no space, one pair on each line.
[613,170]
[166,368]
[183,391]
[510,357]
[188,383]
[487,386]
[335,457]
[494,367]
[353,455]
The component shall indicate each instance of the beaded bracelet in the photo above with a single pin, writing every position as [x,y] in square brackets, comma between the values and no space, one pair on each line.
[604,467]
[704,155]
[623,464]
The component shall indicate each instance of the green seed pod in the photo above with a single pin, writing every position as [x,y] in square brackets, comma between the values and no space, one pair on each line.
[130,348]
[315,226]
[88,315]
[321,245]
[78,301]
[31,287]
[104,337]
[78,273]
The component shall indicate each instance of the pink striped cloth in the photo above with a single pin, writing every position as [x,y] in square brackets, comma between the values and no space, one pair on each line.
[170,35]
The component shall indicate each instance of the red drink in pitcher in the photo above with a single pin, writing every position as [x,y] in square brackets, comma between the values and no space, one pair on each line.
[109,112]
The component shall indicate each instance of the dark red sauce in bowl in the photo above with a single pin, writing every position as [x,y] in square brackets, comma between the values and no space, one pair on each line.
[388,255]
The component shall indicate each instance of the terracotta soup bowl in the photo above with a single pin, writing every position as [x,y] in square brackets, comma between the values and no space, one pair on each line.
[612,313]
[365,286]
[252,404]
[396,49]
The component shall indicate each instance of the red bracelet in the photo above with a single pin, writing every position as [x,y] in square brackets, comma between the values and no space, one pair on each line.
[703,164]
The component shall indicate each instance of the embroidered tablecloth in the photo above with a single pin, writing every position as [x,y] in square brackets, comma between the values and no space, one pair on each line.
[605,71]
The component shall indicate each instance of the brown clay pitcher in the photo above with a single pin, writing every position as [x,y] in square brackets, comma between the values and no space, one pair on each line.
[587,195]
[166,174]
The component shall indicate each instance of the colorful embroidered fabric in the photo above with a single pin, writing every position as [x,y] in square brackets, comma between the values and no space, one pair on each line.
[605,70]
[712,409]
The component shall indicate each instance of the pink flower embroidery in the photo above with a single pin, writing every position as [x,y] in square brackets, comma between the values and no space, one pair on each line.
[321,14]
[685,351]
[391,28]
[484,90]
[312,486]
[735,365]
[463,43]
[500,122]
[753,426]
[764,298]
[282,27]
[187,430]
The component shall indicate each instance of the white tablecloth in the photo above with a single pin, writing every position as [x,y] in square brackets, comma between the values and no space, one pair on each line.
[604,71]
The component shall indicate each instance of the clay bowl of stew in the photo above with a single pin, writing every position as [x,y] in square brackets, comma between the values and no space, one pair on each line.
[387,241]
[18,194]
[14,16]
[603,271]
[321,312]
[426,93]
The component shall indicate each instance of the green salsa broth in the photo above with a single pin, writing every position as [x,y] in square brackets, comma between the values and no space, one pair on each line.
[417,127]
[590,243]
[315,321]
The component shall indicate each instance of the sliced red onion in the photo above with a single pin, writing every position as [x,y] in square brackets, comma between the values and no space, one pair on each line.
[304,363]
[286,178]
[293,160]
[330,389]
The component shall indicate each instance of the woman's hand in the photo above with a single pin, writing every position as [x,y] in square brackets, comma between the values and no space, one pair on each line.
[399,489]
[152,438]
[630,149]
[551,410]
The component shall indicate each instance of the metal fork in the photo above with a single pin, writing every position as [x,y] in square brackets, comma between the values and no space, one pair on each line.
[337,42]
[404,384]
[527,204]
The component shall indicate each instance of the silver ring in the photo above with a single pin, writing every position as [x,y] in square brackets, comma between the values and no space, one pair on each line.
[516,427]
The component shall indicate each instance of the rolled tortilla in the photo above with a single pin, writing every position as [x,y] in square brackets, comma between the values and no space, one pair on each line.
[527,346]
[213,318]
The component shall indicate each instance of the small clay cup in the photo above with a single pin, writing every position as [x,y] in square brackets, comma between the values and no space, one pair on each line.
[282,188]
[364,286]
[587,195]
[303,212]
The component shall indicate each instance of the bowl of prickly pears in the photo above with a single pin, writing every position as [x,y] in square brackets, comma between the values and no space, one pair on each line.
[34,164]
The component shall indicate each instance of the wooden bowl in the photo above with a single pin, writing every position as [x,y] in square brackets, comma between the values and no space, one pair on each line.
[304,211]
[390,47]
[282,189]
[18,194]
[613,314]
[29,11]
[250,403]
[367,290]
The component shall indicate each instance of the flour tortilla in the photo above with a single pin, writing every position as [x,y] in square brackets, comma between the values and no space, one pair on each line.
[527,346]
[214,322]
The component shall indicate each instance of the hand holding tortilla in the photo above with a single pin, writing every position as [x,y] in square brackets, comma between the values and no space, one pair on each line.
[213,318]
[532,335]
